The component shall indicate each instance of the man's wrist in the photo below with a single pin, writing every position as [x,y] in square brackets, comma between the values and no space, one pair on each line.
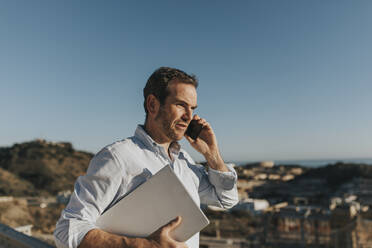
[216,162]
[137,242]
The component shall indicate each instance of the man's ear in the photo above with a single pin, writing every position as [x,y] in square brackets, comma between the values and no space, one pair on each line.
[152,105]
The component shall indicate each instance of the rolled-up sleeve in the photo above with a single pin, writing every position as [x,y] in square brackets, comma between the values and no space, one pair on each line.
[215,187]
[93,193]
[225,184]
[223,180]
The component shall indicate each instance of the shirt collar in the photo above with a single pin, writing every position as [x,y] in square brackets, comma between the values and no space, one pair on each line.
[146,139]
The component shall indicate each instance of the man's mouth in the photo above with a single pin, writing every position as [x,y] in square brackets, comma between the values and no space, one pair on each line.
[181,125]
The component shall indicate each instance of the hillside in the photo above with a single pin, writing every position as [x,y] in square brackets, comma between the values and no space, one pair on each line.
[11,184]
[39,167]
[339,173]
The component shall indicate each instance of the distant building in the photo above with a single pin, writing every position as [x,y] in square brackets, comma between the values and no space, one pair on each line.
[24,229]
[306,225]
[254,206]
[267,164]
[274,177]
[40,201]
[209,242]
[63,197]
[362,233]
[298,200]
[6,198]
[287,177]
[261,176]
[297,171]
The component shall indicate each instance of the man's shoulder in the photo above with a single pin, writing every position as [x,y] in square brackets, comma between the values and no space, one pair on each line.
[121,145]
[117,151]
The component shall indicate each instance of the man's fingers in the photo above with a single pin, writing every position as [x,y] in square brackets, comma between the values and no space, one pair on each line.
[189,139]
[173,224]
[163,236]
[203,122]
[181,245]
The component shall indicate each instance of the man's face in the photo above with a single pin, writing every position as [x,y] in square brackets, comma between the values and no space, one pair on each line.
[176,113]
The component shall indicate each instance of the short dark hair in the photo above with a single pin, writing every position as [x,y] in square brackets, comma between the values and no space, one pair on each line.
[158,82]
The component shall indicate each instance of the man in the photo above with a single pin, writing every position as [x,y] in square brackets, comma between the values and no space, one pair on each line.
[170,98]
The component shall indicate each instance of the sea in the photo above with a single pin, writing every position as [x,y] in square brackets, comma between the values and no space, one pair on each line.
[312,162]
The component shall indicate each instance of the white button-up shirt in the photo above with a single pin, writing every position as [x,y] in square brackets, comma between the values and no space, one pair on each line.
[119,168]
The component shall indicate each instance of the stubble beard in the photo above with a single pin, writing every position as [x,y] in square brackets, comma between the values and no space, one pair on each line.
[166,125]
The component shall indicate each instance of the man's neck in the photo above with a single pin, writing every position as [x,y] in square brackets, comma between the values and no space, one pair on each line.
[162,141]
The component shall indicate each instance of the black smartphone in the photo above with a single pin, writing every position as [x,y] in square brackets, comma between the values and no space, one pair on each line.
[194,129]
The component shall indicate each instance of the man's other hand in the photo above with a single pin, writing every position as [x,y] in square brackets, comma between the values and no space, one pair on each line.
[159,239]
[162,238]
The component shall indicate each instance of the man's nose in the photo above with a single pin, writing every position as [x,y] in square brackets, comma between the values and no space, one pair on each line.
[188,114]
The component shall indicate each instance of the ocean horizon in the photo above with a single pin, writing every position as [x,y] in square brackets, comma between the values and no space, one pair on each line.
[311,162]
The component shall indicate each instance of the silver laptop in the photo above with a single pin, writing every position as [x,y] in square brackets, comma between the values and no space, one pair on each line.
[152,205]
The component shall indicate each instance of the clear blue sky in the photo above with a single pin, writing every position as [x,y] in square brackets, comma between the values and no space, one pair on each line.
[278,79]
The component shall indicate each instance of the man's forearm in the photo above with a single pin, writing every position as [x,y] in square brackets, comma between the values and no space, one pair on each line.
[100,238]
[216,162]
